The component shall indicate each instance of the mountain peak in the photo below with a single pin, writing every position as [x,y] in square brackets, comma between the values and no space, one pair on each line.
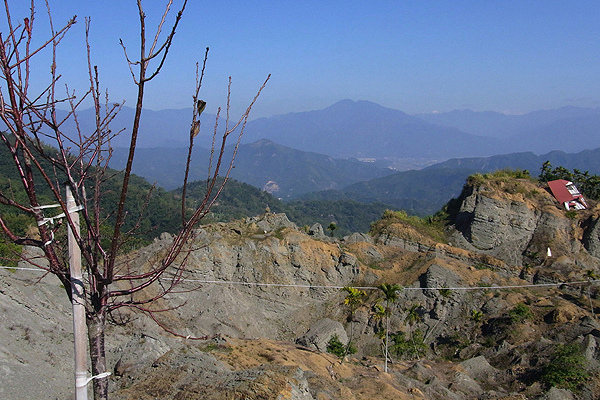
[348,104]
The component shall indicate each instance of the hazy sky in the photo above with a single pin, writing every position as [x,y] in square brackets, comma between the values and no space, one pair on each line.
[415,56]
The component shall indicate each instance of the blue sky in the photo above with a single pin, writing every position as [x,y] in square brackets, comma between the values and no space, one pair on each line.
[415,56]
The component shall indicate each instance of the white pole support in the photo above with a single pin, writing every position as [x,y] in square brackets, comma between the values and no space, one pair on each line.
[78,301]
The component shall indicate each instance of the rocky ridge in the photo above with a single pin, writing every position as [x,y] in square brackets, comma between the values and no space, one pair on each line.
[268,294]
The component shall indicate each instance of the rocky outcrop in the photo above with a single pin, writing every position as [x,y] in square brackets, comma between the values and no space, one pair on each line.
[515,226]
[260,277]
[591,237]
[319,335]
[36,337]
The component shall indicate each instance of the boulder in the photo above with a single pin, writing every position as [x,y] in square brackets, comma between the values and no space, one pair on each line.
[463,383]
[590,348]
[358,237]
[269,222]
[479,368]
[319,335]
[557,394]
[316,230]
[439,277]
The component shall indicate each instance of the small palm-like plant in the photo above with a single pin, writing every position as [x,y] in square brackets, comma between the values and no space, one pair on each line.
[390,295]
[354,299]
[476,315]
[413,317]
[379,314]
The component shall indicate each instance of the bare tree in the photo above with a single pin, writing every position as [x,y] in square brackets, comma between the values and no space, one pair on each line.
[80,159]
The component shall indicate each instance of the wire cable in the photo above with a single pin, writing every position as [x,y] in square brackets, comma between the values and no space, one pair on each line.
[290,285]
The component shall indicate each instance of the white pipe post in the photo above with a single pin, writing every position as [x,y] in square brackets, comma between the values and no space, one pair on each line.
[78,301]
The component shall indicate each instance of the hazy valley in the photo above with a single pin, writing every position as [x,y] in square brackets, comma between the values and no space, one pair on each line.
[420,163]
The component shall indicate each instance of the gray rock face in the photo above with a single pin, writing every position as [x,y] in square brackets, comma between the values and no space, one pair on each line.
[442,305]
[557,394]
[506,229]
[36,337]
[257,284]
[404,244]
[320,333]
[591,349]
[358,237]
[591,239]
[463,383]
[269,222]
[494,222]
[479,368]
[261,277]
[439,277]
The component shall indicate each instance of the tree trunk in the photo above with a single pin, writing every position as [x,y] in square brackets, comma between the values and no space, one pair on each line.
[96,325]
[387,330]
[347,347]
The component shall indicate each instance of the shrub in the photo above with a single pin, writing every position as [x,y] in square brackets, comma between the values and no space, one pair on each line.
[334,346]
[571,214]
[520,313]
[501,175]
[9,254]
[567,368]
[403,346]
[431,226]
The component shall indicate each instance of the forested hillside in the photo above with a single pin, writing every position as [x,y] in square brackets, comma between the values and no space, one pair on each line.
[423,192]
[287,173]
[154,210]
[240,200]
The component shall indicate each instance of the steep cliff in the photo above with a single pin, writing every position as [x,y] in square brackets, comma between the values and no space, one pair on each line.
[518,220]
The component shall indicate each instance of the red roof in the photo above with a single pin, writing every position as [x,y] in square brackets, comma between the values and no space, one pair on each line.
[560,191]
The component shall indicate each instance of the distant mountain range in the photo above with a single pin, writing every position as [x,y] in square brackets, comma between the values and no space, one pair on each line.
[165,128]
[293,174]
[315,155]
[424,192]
[285,172]
[498,125]
[586,160]
[363,129]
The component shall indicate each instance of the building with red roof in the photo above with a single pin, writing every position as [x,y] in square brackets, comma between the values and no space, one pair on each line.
[566,193]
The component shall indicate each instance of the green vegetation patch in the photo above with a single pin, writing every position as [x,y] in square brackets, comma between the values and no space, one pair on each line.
[9,254]
[432,226]
[334,346]
[411,347]
[502,175]
[567,368]
[520,313]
